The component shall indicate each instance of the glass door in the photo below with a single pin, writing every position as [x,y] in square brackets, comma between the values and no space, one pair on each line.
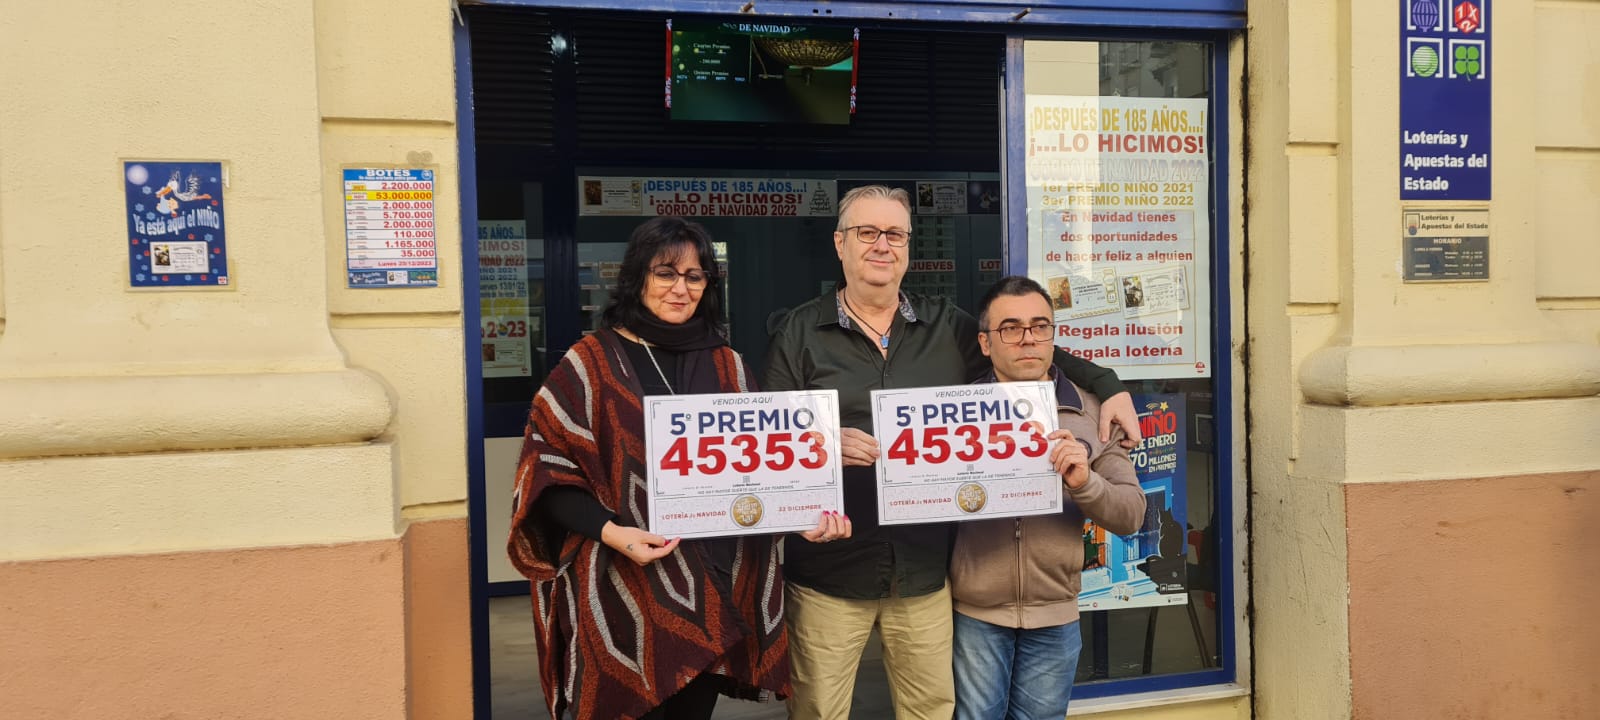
[513,328]
[1112,194]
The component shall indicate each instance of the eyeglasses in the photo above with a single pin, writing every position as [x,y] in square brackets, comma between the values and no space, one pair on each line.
[1012,334]
[869,234]
[665,276]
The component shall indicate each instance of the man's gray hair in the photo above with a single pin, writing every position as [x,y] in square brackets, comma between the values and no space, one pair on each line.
[871,191]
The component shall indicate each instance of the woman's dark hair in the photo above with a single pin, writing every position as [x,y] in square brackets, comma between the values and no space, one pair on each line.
[668,237]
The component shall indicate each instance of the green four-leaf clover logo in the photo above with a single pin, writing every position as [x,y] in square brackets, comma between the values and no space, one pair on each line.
[1468,60]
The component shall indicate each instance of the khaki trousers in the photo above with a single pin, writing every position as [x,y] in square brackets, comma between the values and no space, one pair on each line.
[827,635]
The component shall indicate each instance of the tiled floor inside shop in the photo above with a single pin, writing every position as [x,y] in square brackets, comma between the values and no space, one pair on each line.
[515,679]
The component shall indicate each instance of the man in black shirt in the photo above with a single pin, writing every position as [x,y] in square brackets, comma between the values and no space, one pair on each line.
[862,336]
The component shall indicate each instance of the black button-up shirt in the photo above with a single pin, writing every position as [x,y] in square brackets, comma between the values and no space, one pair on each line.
[931,342]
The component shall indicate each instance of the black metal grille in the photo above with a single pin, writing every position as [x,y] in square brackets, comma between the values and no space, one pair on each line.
[919,92]
[513,77]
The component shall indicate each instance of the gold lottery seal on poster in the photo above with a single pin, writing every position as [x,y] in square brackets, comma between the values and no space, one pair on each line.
[746,510]
[971,497]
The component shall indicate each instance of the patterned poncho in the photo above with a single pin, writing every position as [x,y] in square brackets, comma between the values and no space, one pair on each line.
[617,639]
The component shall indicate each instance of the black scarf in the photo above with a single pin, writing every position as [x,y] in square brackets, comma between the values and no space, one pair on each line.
[690,342]
[696,334]
[684,351]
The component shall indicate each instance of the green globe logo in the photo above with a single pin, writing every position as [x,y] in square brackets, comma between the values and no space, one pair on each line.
[1468,60]
[1425,61]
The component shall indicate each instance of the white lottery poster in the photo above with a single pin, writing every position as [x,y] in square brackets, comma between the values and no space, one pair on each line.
[1118,198]
[965,452]
[503,298]
[742,463]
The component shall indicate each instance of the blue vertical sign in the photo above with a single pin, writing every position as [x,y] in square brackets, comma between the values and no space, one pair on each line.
[177,236]
[1444,99]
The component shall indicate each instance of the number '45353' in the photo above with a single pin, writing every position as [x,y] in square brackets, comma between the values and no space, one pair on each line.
[968,443]
[746,453]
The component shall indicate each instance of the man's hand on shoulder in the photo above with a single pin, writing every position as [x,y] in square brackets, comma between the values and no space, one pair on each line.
[1118,410]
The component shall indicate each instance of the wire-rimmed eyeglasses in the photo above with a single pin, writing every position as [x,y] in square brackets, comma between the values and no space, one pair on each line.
[869,234]
[665,276]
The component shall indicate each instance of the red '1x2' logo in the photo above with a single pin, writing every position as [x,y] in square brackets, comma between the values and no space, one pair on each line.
[1466,17]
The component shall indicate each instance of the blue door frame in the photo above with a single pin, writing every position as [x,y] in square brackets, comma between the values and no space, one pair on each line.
[1016,262]
[1210,21]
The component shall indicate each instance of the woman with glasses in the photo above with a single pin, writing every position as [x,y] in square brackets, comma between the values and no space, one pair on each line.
[629,623]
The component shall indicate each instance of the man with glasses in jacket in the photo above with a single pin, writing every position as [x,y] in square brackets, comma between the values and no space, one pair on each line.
[1015,581]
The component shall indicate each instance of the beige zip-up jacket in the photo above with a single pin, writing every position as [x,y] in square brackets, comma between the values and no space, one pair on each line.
[1026,572]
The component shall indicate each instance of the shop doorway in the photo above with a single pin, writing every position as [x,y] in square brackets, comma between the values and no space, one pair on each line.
[575,145]
[573,141]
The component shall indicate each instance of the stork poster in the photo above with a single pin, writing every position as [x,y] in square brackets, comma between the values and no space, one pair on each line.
[176,231]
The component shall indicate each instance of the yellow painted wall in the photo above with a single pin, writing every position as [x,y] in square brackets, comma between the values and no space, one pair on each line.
[1296,546]
[1356,377]
[386,90]
[283,414]
[173,75]
[1566,167]
[89,367]
[285,94]
[2,288]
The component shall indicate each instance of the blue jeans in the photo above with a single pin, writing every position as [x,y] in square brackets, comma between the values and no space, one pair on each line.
[1012,673]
